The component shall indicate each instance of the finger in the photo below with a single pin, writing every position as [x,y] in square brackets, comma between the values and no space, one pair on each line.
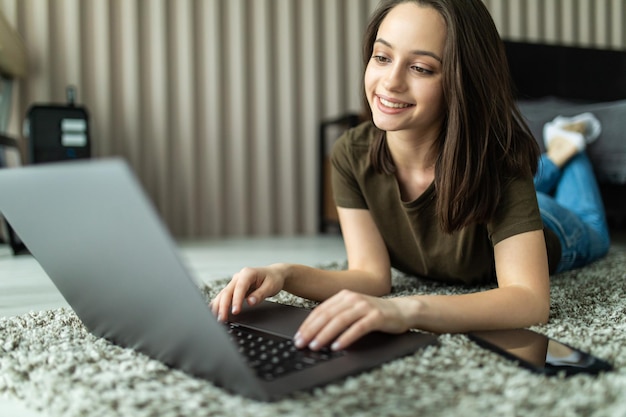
[383,315]
[214,304]
[224,298]
[245,280]
[321,314]
[239,294]
[356,331]
[327,321]
[266,289]
[311,326]
[350,321]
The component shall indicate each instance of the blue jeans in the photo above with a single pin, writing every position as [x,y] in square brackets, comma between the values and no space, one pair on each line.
[571,206]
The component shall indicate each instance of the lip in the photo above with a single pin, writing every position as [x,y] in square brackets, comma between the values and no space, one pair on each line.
[391,110]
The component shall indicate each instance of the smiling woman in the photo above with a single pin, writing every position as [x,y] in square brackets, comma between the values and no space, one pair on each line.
[416,190]
[439,184]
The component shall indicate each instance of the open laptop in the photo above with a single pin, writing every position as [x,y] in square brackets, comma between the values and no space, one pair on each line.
[95,233]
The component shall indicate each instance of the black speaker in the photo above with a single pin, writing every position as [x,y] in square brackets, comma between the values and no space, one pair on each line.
[57,132]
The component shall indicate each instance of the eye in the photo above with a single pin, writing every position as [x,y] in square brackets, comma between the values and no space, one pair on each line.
[421,70]
[381,59]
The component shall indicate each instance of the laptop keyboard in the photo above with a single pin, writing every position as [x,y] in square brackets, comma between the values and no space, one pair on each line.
[274,356]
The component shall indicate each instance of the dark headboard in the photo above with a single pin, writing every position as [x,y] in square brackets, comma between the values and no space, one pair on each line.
[554,80]
[540,70]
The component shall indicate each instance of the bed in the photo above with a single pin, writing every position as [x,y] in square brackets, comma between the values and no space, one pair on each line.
[555,80]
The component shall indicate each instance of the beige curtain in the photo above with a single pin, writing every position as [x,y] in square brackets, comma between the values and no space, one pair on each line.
[587,23]
[216,103]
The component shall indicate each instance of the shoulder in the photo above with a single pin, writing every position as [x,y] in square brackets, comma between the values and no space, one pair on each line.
[518,192]
[357,137]
[522,187]
[517,211]
[353,145]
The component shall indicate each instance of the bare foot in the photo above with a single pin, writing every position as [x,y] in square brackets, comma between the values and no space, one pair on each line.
[561,150]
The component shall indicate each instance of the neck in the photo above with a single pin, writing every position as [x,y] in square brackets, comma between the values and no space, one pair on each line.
[411,154]
[414,160]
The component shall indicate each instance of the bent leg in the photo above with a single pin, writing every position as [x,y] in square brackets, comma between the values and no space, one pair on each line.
[547,176]
[580,244]
[575,213]
[578,191]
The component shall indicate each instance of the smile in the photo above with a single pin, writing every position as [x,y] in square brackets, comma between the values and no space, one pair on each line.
[393,105]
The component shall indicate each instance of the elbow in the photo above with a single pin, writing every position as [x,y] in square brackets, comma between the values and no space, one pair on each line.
[542,313]
[534,317]
[537,306]
[535,310]
[545,309]
[376,284]
[541,319]
[382,288]
[385,287]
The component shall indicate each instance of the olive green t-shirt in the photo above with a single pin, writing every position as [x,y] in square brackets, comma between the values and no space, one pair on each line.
[414,240]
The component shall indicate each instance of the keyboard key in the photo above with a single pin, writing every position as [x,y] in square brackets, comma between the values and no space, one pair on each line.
[273,356]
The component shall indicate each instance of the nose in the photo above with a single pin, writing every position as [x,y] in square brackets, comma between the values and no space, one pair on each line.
[394,78]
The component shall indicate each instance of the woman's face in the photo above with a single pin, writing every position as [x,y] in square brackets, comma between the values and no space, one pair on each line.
[403,77]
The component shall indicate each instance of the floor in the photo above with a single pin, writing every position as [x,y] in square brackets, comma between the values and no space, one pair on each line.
[25,287]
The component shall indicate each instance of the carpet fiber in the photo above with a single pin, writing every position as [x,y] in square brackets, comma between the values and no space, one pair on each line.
[49,361]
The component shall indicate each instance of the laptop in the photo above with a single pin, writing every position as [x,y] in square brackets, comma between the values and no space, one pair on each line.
[97,236]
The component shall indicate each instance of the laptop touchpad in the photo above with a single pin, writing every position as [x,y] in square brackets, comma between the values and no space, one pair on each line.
[272,317]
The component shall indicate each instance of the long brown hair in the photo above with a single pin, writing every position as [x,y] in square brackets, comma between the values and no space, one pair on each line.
[484,140]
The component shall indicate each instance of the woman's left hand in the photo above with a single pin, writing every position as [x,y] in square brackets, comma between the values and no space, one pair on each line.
[347,316]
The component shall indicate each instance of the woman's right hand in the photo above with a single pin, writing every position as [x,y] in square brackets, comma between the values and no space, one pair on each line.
[250,284]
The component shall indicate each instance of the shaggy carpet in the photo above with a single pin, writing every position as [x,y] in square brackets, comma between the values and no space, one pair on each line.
[50,362]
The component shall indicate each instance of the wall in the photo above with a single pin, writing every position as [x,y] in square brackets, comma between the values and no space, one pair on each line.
[216,104]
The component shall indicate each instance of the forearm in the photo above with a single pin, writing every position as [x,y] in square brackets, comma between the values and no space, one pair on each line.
[508,307]
[317,284]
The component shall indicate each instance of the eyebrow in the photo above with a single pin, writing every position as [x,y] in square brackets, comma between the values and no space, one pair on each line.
[415,52]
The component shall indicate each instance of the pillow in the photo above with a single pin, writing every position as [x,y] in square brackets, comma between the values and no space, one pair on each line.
[608,152]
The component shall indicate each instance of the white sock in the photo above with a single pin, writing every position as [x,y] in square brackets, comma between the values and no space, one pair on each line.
[592,124]
[551,130]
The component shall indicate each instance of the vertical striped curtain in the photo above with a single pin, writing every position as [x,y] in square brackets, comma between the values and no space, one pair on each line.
[216,103]
[586,23]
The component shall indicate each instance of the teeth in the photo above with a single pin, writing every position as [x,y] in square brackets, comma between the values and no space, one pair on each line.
[388,103]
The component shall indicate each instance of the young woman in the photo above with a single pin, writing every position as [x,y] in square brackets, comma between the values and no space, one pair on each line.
[440,185]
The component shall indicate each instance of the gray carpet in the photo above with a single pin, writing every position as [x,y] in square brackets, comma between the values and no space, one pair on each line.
[49,360]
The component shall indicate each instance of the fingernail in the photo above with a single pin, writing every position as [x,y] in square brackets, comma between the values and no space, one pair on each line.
[252,300]
[314,345]
[335,346]
[219,317]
